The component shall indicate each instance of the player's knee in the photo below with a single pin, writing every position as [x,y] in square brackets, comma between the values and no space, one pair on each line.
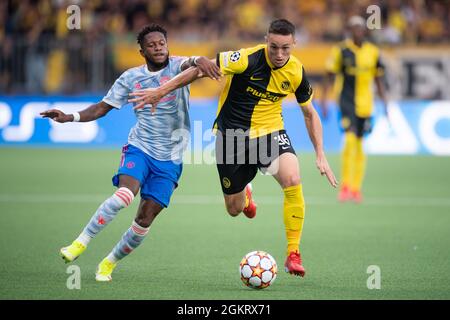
[146,219]
[147,213]
[125,196]
[143,221]
[291,180]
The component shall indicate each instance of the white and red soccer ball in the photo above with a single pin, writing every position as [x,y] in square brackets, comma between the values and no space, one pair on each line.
[258,269]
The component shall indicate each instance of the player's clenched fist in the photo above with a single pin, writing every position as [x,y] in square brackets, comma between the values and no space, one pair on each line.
[57,115]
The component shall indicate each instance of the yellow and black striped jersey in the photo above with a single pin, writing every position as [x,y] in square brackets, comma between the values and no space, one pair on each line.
[356,68]
[254,89]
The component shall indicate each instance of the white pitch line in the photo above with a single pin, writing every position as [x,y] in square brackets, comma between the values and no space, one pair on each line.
[217,199]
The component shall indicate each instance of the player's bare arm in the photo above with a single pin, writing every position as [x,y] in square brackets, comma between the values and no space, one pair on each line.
[327,82]
[153,95]
[91,113]
[382,93]
[314,127]
[208,68]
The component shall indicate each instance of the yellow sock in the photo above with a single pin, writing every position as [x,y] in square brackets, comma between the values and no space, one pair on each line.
[359,165]
[348,158]
[294,214]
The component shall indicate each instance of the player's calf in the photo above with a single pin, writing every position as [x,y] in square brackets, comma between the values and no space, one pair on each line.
[148,211]
[130,240]
[233,210]
[122,198]
[235,203]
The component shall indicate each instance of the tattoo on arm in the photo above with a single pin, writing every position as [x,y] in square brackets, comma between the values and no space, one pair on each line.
[188,63]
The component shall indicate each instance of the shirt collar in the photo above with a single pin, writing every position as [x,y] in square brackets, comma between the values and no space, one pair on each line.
[151,73]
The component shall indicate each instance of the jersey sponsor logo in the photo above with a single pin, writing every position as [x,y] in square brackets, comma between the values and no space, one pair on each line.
[226,182]
[255,78]
[235,56]
[285,85]
[263,95]
[163,80]
[171,96]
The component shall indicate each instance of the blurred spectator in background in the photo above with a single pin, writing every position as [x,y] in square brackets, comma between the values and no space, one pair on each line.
[38,53]
[35,21]
[5,49]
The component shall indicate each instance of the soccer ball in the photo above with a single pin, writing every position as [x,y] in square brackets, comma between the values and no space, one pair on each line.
[258,269]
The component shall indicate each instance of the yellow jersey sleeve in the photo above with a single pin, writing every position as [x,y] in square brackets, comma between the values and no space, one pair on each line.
[231,62]
[304,92]
[334,61]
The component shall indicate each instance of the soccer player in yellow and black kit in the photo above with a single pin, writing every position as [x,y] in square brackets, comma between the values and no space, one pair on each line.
[250,129]
[357,64]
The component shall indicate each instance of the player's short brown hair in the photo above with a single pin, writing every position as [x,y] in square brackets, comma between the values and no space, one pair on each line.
[282,26]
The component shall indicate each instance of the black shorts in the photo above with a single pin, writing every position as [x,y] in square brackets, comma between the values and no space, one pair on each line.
[238,157]
[351,122]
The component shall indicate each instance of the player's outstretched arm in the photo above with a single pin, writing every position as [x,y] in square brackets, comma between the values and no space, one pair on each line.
[208,67]
[91,113]
[153,95]
[314,127]
[193,69]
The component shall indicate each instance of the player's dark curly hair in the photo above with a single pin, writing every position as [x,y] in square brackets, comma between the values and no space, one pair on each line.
[150,28]
[282,26]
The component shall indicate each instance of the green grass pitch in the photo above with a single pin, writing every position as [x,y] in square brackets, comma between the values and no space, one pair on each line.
[194,247]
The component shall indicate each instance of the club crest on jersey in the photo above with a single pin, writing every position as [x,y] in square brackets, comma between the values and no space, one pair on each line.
[345,122]
[235,56]
[137,86]
[285,85]
[226,182]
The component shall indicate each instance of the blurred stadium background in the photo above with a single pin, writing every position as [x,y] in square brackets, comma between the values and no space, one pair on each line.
[53,176]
